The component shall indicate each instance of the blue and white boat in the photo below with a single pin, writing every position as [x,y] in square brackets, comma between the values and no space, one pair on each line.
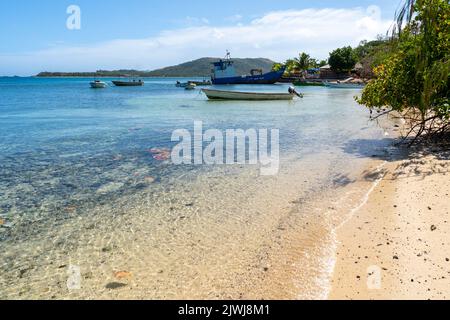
[97,84]
[225,73]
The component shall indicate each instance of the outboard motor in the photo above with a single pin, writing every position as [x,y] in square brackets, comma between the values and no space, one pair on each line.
[293,91]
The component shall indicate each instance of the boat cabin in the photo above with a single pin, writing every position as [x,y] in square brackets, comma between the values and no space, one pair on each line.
[256,72]
[224,69]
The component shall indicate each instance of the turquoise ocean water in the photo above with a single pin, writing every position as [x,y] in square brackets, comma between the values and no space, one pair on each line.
[66,150]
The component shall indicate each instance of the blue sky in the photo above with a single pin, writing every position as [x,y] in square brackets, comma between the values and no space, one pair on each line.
[148,34]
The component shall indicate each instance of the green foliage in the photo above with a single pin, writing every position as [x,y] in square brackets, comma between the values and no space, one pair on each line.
[304,61]
[371,54]
[322,63]
[342,59]
[277,66]
[291,65]
[415,78]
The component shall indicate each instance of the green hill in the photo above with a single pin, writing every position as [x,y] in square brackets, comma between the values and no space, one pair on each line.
[197,68]
[202,67]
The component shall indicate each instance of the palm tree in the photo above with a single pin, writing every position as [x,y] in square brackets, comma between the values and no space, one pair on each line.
[291,65]
[403,16]
[303,61]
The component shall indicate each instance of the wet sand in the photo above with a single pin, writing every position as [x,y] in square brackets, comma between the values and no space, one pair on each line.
[396,246]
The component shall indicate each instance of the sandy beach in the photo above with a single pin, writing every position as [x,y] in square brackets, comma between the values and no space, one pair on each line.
[396,245]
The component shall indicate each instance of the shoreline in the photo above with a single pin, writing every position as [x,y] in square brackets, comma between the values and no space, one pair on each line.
[393,246]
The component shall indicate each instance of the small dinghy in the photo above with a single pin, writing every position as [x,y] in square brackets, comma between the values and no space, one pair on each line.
[97,84]
[197,83]
[133,83]
[255,96]
[344,85]
[181,84]
[349,83]
[202,83]
[190,86]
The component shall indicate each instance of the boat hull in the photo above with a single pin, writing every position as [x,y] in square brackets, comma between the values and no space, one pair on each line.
[190,86]
[344,85]
[268,78]
[254,96]
[201,83]
[128,83]
[308,84]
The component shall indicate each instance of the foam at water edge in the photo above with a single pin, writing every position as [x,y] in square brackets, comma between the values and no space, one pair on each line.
[332,261]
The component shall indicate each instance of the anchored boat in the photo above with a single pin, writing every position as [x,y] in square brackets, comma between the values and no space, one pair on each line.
[190,86]
[97,84]
[190,83]
[133,83]
[349,83]
[304,83]
[225,73]
[213,94]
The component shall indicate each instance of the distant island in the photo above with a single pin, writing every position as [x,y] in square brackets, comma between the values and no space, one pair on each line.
[197,68]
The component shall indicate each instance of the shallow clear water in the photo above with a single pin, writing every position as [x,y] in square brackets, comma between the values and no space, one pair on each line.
[69,153]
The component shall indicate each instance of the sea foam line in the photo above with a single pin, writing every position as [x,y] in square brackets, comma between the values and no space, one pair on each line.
[332,262]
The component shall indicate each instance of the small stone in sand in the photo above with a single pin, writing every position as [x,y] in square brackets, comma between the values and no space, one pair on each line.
[433,227]
[395,257]
[110,187]
[149,179]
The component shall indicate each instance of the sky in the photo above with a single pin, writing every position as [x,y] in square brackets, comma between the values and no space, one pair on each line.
[149,34]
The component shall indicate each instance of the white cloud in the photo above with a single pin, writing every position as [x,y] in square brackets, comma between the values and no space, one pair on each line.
[277,35]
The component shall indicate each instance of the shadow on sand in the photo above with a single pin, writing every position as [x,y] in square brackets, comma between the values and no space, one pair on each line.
[421,160]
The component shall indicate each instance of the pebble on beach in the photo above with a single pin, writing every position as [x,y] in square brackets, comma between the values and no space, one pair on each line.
[149,179]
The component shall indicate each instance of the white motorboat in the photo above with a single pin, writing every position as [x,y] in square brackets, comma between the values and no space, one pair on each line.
[97,84]
[256,96]
[344,85]
[190,86]
[349,83]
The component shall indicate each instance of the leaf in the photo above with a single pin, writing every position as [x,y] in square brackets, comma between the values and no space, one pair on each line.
[123,275]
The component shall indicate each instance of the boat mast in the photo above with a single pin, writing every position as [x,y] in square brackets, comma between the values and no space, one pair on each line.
[228,55]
